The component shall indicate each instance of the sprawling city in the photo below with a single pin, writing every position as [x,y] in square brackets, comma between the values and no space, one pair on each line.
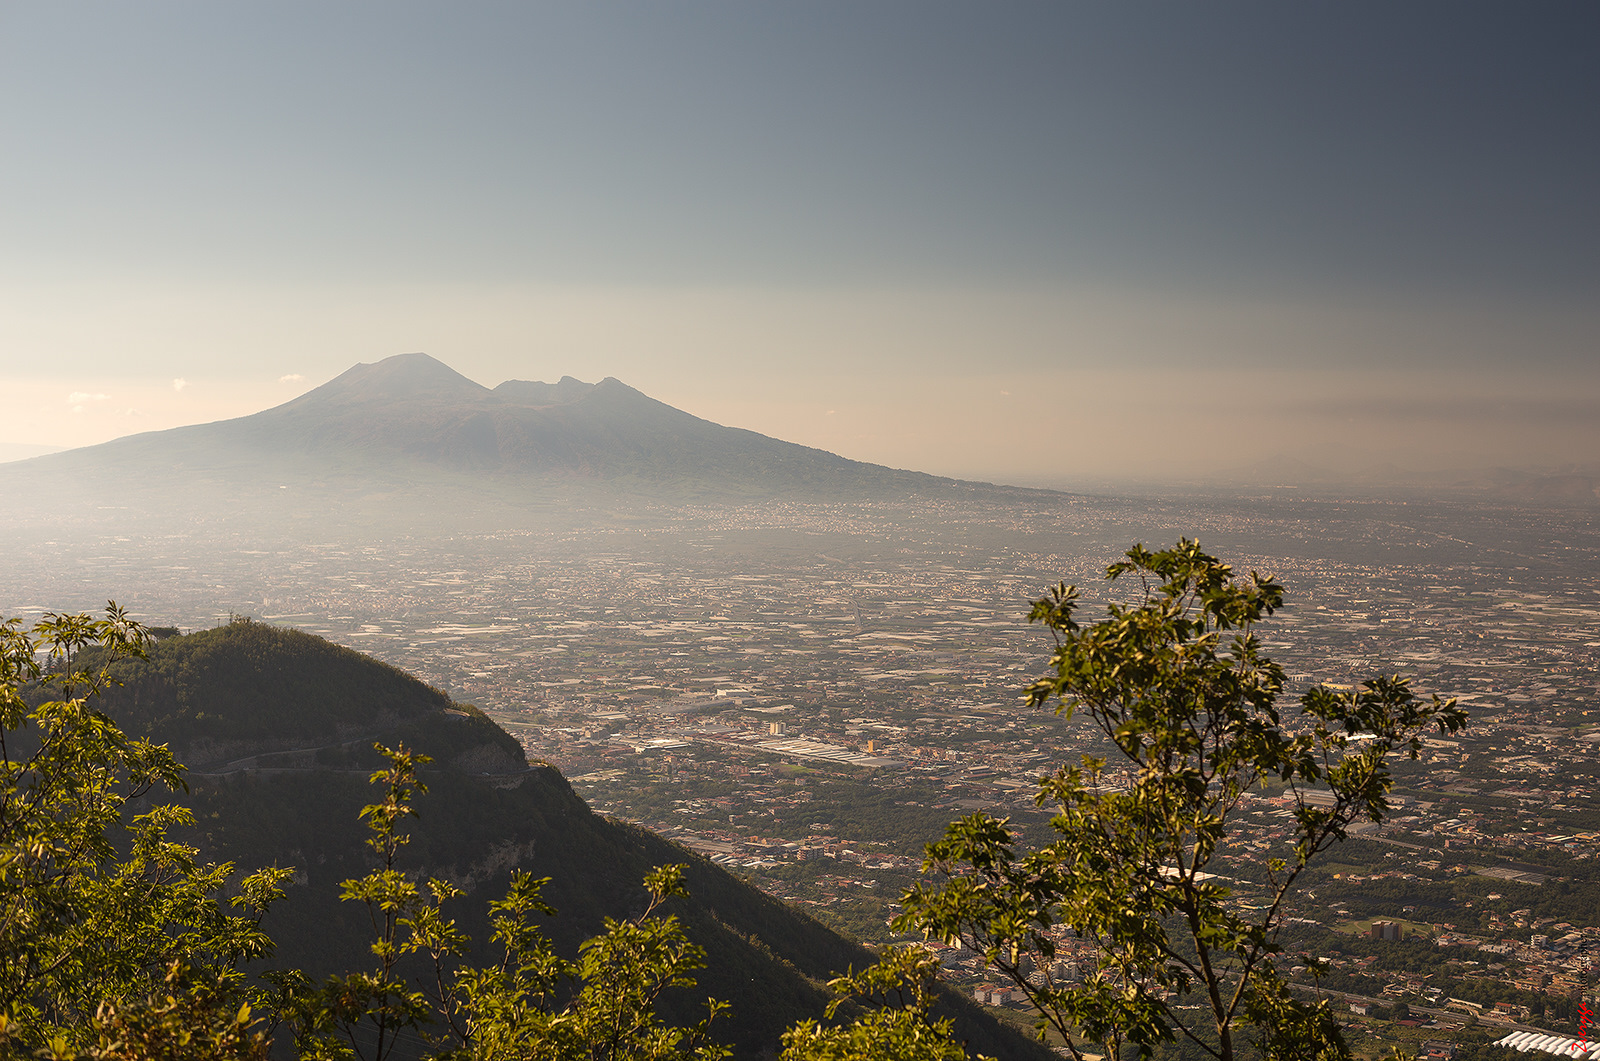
[807,694]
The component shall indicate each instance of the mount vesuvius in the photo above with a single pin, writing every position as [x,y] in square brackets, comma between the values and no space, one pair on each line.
[410,434]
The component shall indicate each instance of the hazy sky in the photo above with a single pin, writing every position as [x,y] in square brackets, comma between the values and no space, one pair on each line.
[1023,241]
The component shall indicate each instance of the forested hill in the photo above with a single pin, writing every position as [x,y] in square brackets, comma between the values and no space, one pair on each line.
[283,723]
[249,694]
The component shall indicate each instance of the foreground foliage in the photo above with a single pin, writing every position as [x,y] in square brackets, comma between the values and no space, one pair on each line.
[899,1025]
[531,1004]
[1114,930]
[1177,685]
[92,934]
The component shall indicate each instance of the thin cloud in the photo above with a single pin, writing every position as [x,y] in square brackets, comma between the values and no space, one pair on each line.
[179,383]
[293,377]
[80,397]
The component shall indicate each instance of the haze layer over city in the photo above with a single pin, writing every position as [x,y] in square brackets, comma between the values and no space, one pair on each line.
[705,393]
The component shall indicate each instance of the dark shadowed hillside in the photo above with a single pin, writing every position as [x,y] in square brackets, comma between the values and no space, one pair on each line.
[250,695]
[284,723]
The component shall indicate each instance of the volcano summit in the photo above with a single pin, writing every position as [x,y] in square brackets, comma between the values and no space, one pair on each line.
[409,434]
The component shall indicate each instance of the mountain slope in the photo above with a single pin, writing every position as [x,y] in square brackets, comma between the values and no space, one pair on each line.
[413,428]
[254,695]
[286,721]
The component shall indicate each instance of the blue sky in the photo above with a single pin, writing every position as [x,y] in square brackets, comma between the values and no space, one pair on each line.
[1017,240]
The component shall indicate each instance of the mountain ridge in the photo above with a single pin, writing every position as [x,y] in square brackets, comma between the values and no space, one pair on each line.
[412,426]
[296,805]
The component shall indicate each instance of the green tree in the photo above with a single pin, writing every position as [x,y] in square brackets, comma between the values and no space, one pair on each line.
[532,1003]
[1177,684]
[94,943]
[899,1024]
